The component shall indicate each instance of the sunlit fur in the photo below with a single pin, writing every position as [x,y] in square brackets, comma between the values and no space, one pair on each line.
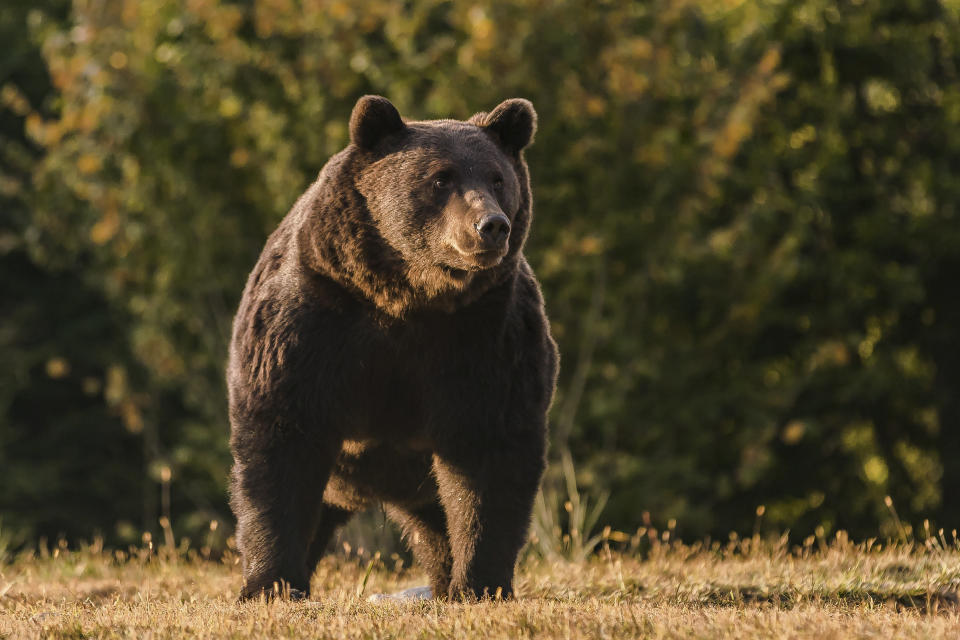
[383,353]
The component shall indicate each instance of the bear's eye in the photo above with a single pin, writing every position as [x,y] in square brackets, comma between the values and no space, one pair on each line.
[442,182]
[498,181]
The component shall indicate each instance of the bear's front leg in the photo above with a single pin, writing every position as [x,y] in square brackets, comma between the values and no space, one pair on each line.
[488,494]
[276,493]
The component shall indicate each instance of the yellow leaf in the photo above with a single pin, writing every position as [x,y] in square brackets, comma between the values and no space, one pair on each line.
[118,60]
[239,157]
[88,163]
[57,367]
[105,228]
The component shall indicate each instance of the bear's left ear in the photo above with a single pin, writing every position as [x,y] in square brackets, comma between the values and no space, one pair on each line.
[513,122]
[373,118]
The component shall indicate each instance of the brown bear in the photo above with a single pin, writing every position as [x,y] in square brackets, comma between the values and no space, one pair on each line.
[391,346]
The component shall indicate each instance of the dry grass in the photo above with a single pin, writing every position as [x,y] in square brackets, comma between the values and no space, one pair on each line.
[746,589]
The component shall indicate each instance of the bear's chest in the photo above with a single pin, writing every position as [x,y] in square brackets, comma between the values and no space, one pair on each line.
[390,383]
[381,392]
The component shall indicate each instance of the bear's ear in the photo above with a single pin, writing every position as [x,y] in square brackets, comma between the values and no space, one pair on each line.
[373,118]
[513,122]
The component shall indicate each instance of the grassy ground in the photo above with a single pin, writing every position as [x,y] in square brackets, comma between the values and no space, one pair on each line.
[745,589]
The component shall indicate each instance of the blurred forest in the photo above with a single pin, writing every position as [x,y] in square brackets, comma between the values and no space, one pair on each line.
[746,230]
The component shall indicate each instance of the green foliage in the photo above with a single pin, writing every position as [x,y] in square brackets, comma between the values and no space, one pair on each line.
[553,509]
[746,230]
[68,464]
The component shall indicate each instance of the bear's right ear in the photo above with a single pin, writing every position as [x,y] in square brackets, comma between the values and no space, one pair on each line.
[373,118]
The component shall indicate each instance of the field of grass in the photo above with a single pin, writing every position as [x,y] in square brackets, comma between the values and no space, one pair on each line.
[742,589]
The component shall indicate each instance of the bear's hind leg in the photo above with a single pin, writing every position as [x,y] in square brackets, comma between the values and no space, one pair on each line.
[276,495]
[425,530]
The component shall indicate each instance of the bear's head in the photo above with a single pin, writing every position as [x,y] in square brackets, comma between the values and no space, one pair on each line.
[450,198]
[421,214]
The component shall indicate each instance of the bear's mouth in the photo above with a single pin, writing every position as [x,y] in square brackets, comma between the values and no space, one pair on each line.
[487,259]
[479,260]
[460,266]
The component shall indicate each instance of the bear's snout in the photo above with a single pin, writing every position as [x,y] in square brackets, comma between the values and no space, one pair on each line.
[494,229]
[480,239]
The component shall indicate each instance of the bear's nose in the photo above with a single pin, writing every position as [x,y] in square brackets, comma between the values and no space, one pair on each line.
[493,228]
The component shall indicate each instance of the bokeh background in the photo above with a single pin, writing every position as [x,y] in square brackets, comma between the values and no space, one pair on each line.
[746,228]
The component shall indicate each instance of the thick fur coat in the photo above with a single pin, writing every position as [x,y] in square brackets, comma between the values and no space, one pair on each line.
[391,347]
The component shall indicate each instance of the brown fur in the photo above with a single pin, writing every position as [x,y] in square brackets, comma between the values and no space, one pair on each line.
[391,348]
